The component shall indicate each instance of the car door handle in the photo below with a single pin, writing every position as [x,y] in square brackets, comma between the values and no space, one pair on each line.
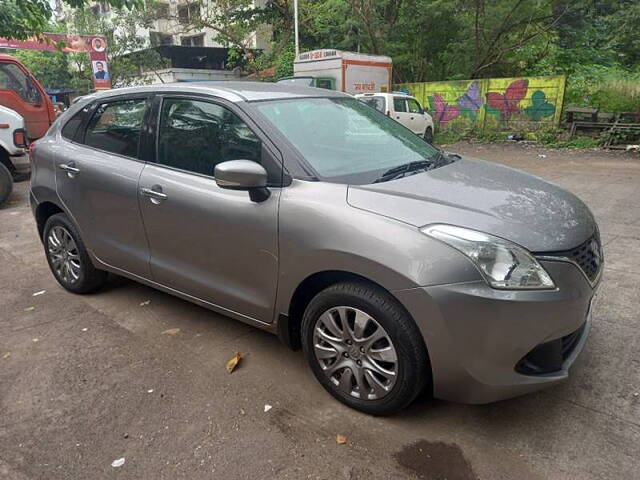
[153,194]
[69,167]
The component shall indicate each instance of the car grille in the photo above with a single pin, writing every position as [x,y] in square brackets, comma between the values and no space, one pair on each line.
[588,256]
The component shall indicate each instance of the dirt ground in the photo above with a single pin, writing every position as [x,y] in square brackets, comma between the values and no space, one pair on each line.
[137,374]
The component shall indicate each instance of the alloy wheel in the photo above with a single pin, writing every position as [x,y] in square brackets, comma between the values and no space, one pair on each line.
[64,255]
[355,353]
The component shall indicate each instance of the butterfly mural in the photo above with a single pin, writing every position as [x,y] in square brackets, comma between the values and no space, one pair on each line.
[508,103]
[443,111]
[468,103]
[471,100]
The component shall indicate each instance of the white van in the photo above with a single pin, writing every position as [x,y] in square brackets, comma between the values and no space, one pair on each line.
[404,109]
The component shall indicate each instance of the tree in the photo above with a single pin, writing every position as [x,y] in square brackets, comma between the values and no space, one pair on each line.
[50,68]
[20,19]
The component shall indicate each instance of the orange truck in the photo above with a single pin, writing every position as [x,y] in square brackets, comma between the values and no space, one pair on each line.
[26,112]
[22,93]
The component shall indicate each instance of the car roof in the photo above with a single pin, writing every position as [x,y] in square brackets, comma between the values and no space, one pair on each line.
[384,94]
[235,91]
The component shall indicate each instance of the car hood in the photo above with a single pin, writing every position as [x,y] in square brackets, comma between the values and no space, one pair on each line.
[484,196]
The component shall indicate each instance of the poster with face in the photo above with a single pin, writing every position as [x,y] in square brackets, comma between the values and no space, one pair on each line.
[98,44]
[100,74]
[94,46]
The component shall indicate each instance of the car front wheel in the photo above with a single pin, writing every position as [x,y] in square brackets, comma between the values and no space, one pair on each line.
[364,348]
[68,258]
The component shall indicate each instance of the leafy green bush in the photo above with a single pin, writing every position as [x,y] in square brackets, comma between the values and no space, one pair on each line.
[611,89]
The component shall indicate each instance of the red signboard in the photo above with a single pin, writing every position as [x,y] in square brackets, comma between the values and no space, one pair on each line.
[94,45]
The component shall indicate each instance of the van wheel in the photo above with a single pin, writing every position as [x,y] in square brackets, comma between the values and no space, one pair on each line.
[68,258]
[428,135]
[364,348]
[6,183]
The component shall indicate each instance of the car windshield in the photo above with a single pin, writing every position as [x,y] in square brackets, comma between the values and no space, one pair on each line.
[346,141]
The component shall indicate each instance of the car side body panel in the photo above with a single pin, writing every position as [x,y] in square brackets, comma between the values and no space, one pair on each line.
[313,239]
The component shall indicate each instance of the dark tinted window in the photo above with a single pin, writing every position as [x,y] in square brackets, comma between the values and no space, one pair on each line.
[399,104]
[71,127]
[196,136]
[324,83]
[115,127]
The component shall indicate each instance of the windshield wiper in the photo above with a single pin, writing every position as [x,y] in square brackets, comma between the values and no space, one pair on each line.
[405,170]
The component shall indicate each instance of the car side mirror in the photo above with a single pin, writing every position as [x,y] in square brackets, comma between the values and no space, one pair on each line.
[243,175]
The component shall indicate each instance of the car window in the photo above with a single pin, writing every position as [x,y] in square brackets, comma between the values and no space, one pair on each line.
[414,106]
[374,102]
[13,78]
[324,83]
[71,127]
[196,136]
[115,127]
[399,104]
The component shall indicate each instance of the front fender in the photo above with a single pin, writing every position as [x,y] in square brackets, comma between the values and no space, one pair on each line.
[320,232]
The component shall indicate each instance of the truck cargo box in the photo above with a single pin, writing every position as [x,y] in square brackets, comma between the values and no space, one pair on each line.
[345,71]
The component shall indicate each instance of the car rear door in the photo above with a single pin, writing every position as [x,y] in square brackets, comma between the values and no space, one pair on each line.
[97,171]
[401,112]
[210,243]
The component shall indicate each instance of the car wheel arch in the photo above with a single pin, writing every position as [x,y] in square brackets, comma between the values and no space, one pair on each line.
[289,323]
[43,212]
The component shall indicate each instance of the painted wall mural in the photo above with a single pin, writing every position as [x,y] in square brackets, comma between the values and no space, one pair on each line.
[510,104]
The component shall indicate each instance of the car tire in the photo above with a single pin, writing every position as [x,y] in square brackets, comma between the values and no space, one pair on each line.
[67,256]
[428,135]
[6,183]
[368,387]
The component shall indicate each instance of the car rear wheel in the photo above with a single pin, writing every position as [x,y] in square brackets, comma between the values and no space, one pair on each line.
[6,183]
[68,258]
[428,135]
[364,348]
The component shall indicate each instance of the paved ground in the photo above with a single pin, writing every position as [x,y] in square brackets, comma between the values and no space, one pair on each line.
[85,380]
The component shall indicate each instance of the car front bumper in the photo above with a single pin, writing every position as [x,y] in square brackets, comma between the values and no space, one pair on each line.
[478,337]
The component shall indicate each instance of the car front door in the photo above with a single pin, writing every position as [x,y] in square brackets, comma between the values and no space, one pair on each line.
[211,243]
[97,171]
[417,118]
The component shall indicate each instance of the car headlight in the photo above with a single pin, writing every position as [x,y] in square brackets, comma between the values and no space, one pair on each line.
[503,264]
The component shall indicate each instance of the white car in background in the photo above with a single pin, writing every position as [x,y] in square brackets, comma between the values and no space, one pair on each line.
[404,109]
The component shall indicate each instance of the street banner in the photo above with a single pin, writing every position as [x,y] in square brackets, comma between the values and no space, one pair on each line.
[93,45]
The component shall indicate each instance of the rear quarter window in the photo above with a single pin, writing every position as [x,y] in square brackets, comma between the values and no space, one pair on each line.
[70,128]
[374,102]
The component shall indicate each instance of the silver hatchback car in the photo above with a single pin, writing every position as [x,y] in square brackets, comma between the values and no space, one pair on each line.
[395,266]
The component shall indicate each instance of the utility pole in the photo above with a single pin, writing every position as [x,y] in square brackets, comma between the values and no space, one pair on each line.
[295,21]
